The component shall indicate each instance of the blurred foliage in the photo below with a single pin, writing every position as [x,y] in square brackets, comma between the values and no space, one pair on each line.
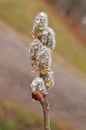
[15,117]
[21,13]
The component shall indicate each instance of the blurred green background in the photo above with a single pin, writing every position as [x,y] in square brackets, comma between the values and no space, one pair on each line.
[20,15]
[14,116]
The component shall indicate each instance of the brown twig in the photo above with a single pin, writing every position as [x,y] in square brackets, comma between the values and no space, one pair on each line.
[46,110]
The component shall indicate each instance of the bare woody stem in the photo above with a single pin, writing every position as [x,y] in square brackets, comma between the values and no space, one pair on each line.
[46,109]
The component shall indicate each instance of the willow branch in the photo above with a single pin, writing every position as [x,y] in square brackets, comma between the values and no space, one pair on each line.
[46,109]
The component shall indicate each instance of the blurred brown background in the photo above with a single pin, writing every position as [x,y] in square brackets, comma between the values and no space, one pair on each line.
[68,98]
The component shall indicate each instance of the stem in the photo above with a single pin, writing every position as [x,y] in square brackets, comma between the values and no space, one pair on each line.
[46,109]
